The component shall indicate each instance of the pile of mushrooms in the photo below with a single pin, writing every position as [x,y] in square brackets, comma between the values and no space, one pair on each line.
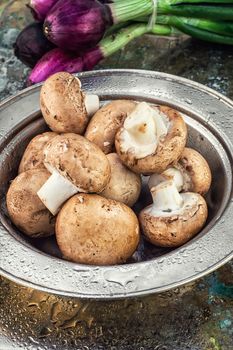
[82,178]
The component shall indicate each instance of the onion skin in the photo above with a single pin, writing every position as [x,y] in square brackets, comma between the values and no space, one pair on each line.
[31,44]
[77,25]
[58,60]
[40,8]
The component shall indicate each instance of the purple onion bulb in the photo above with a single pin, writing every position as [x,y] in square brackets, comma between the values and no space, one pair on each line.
[31,44]
[77,25]
[58,60]
[40,8]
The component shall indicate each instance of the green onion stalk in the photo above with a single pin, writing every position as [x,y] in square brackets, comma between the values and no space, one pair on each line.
[208,30]
[205,29]
[209,9]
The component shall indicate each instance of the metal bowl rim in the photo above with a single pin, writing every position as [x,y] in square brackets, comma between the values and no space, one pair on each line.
[17,278]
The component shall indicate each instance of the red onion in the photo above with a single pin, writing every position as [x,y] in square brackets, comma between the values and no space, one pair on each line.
[58,60]
[78,25]
[31,44]
[40,8]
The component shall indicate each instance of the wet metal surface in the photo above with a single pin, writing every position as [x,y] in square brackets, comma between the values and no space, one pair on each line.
[194,317]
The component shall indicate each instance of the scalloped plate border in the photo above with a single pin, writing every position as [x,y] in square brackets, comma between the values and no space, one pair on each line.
[21,264]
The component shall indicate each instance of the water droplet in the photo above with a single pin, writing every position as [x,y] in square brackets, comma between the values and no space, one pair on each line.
[45,332]
[55,310]
[37,298]
[121,277]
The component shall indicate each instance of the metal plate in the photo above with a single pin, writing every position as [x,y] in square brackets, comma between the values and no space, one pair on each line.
[209,117]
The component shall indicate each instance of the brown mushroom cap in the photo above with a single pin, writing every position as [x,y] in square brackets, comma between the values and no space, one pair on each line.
[78,160]
[105,123]
[62,104]
[174,230]
[124,185]
[33,157]
[197,169]
[25,208]
[168,151]
[94,230]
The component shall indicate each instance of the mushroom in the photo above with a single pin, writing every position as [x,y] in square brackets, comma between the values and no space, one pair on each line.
[25,208]
[105,123]
[77,165]
[151,139]
[33,156]
[172,174]
[64,106]
[191,174]
[94,230]
[173,218]
[124,185]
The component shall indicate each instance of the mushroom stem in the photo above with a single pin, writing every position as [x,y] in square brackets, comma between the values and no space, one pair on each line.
[79,82]
[92,104]
[143,129]
[55,191]
[166,197]
[172,174]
